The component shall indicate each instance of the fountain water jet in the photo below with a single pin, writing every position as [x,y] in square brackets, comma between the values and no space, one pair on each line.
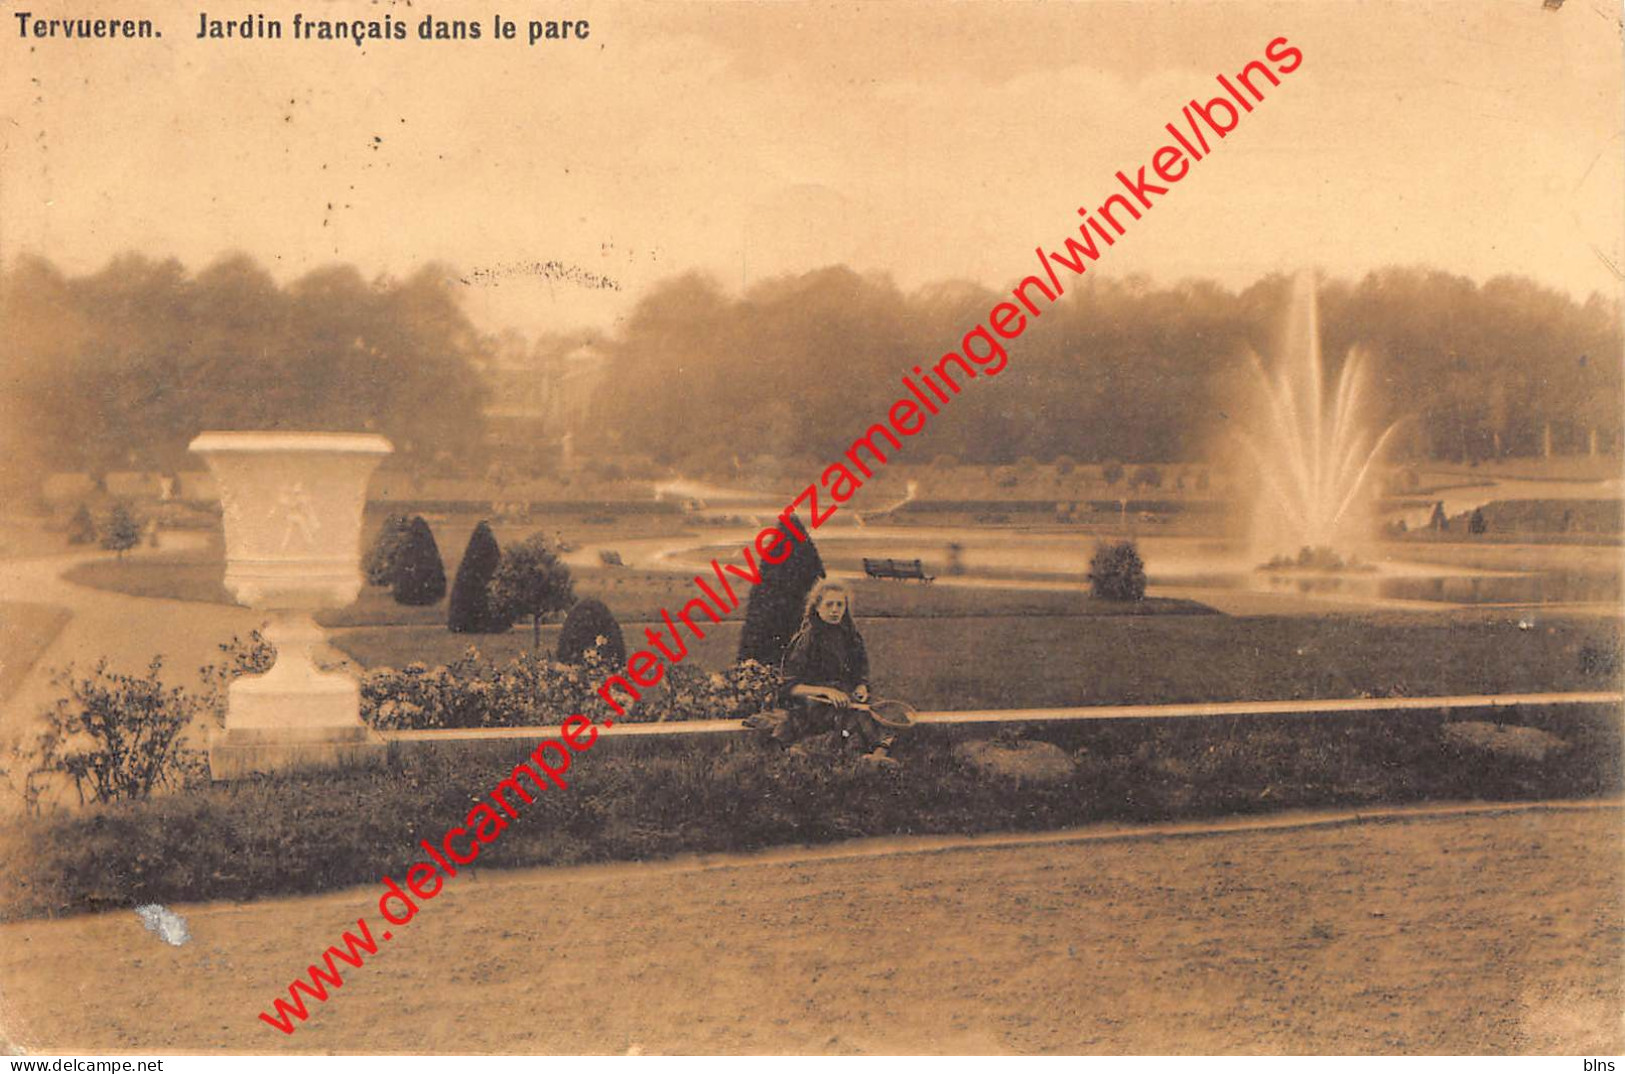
[1313,456]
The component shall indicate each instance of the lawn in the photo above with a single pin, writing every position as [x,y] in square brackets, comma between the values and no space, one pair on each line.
[26,631]
[631,594]
[996,661]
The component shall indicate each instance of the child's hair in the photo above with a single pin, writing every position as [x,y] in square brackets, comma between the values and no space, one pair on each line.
[814,596]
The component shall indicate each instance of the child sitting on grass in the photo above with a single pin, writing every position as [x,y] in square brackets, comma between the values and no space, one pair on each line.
[825,671]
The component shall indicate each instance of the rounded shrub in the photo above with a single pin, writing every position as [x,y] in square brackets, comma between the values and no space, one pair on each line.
[587,622]
[420,578]
[1116,572]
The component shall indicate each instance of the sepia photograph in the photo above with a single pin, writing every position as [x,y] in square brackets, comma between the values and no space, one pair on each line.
[812,528]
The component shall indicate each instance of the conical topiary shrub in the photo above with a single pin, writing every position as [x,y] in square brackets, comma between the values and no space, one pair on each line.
[774,613]
[420,578]
[470,607]
[380,564]
[588,621]
[121,532]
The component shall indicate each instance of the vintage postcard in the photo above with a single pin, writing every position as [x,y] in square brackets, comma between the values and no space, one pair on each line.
[811,528]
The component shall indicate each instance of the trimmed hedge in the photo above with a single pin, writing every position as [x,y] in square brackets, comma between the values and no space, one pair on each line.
[469,610]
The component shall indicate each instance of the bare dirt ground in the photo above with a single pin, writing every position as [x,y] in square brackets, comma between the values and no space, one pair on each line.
[1491,933]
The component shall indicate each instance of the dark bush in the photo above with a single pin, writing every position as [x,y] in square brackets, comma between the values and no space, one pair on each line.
[1147,477]
[302,833]
[531,581]
[1116,572]
[588,621]
[774,613]
[121,532]
[380,563]
[469,611]
[420,577]
[1476,524]
[1112,473]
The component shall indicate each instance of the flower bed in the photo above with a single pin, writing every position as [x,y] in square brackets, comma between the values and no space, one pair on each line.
[530,690]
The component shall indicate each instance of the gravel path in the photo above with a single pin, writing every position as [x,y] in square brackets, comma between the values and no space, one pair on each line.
[1466,934]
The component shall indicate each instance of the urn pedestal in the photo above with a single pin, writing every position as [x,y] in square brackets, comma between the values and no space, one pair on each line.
[291,506]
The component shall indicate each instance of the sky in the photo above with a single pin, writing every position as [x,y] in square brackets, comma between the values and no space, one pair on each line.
[927,141]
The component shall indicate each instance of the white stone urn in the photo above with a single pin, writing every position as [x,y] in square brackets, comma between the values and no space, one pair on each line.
[291,505]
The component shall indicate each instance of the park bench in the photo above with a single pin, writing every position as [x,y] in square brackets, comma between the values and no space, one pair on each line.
[896,568]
